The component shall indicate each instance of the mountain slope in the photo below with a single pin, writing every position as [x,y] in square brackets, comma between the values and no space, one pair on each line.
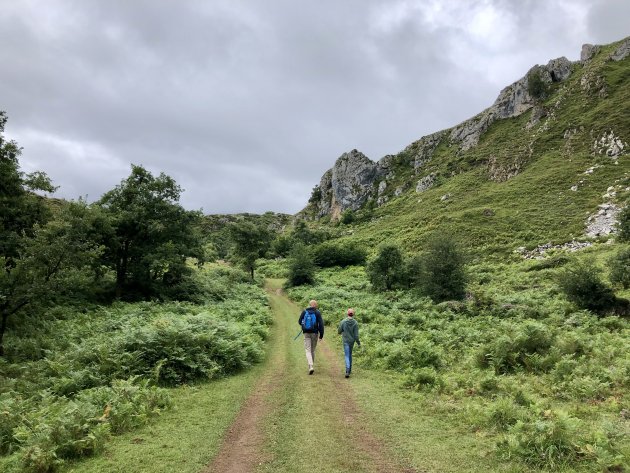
[530,169]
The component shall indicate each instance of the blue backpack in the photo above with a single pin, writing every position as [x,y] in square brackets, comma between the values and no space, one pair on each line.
[309,321]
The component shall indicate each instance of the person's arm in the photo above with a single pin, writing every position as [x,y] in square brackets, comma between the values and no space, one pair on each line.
[320,324]
[340,329]
[356,334]
[301,318]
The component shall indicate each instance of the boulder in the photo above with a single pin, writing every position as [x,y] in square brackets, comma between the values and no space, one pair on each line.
[426,183]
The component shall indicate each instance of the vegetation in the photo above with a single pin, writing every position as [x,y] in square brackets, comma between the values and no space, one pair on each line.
[441,270]
[250,243]
[583,285]
[301,266]
[89,374]
[513,361]
[384,269]
[620,268]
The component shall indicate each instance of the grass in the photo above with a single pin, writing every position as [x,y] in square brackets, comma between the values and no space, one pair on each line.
[183,439]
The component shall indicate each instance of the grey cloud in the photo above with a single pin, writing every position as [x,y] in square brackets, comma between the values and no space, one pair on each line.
[246,104]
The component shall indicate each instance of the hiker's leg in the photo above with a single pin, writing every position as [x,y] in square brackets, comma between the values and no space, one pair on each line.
[313,345]
[347,352]
[307,348]
[350,347]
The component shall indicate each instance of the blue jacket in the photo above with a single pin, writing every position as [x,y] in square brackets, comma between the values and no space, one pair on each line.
[319,326]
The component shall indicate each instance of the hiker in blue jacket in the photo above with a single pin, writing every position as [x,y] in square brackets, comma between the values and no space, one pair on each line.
[312,324]
[349,331]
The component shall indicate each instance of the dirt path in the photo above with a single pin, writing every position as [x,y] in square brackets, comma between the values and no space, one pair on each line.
[242,448]
[289,408]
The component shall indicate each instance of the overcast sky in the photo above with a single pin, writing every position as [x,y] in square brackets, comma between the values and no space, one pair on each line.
[247,104]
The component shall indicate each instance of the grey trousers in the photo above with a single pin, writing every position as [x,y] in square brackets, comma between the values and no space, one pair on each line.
[310,343]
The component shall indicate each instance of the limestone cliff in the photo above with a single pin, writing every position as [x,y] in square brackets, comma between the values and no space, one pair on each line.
[355,180]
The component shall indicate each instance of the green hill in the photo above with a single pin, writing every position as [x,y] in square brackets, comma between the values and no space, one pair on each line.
[529,170]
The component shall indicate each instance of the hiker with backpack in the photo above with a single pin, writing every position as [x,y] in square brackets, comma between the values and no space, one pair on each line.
[312,325]
[349,331]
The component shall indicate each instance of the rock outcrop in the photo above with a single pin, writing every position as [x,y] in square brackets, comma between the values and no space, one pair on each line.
[348,185]
[512,101]
[622,51]
[603,222]
[589,51]
[355,179]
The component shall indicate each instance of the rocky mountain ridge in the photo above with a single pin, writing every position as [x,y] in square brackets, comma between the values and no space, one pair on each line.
[356,181]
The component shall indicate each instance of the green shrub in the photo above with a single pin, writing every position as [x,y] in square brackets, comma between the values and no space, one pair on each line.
[623,225]
[536,86]
[550,441]
[620,268]
[523,350]
[443,270]
[301,266]
[504,413]
[281,246]
[347,217]
[329,254]
[419,353]
[582,285]
[423,378]
[385,270]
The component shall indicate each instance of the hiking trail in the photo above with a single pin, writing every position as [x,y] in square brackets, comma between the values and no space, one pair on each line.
[295,422]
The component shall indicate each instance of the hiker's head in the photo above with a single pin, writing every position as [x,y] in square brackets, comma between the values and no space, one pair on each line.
[350,312]
[313,304]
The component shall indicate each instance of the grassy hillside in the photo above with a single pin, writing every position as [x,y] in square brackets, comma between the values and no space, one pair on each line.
[497,211]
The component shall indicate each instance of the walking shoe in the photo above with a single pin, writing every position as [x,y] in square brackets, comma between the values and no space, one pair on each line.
[311,371]
[347,373]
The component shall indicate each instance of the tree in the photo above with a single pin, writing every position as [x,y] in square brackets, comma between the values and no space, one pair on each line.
[301,266]
[582,284]
[55,260]
[20,208]
[443,275]
[21,214]
[152,235]
[250,242]
[623,224]
[536,86]
[384,271]
[620,268]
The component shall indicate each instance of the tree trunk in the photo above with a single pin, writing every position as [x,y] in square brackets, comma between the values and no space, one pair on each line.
[3,326]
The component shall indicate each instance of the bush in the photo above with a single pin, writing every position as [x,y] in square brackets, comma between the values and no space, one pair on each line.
[582,285]
[536,86]
[443,274]
[301,266]
[423,378]
[347,217]
[385,270]
[623,225]
[523,350]
[620,268]
[331,254]
[281,246]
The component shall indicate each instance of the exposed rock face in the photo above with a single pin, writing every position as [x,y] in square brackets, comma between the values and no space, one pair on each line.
[425,183]
[622,51]
[603,222]
[610,144]
[422,150]
[588,51]
[512,101]
[348,185]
